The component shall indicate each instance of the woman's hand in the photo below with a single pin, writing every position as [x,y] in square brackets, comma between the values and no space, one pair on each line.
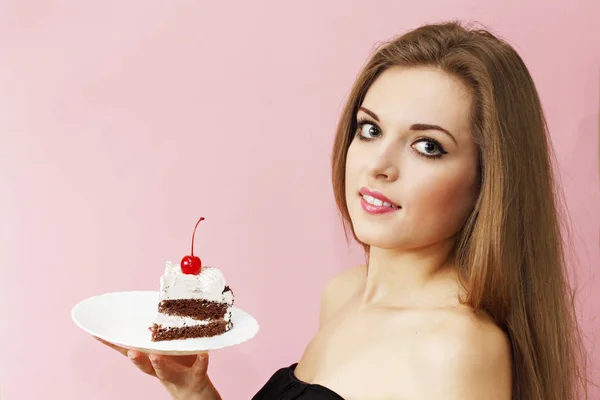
[184,377]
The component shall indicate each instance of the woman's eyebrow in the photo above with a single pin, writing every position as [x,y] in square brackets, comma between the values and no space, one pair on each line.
[413,127]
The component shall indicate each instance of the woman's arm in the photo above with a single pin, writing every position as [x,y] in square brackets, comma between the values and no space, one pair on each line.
[468,358]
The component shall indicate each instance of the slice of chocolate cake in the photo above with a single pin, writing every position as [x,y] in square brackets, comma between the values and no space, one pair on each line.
[192,305]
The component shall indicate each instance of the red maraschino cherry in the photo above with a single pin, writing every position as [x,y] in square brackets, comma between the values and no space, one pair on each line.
[192,264]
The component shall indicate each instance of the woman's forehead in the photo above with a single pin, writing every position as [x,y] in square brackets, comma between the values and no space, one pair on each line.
[408,95]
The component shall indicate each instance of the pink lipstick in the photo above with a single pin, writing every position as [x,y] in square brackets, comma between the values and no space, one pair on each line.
[375,202]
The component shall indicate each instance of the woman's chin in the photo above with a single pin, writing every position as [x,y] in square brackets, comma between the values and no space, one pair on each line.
[380,241]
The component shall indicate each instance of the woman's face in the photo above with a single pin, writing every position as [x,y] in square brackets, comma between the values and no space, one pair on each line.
[411,169]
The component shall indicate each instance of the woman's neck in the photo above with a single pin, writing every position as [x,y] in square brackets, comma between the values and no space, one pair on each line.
[402,277]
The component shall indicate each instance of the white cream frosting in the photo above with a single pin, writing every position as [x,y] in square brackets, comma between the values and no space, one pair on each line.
[208,284]
[173,321]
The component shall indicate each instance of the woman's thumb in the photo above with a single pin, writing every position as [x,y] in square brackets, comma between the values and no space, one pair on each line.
[200,366]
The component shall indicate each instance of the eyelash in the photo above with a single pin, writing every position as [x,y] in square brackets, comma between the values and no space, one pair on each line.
[361,122]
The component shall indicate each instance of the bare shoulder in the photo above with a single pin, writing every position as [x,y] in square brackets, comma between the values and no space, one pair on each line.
[469,357]
[339,289]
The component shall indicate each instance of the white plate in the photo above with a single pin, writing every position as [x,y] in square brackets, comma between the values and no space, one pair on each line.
[123,318]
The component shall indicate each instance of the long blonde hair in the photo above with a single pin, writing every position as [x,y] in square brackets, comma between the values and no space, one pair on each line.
[510,251]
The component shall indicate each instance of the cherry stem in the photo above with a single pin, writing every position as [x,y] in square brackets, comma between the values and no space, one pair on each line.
[194,234]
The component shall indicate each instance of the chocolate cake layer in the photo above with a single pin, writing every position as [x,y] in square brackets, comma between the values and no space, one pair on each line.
[160,333]
[192,308]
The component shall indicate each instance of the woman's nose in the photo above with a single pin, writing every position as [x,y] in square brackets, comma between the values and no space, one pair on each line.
[385,166]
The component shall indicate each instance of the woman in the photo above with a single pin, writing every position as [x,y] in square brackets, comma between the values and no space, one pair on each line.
[442,171]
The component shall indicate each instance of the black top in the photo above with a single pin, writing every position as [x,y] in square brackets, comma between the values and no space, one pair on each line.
[284,385]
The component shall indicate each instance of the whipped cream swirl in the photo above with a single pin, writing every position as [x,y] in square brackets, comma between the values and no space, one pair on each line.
[208,284]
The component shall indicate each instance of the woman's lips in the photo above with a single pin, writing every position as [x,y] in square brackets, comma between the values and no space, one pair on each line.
[375,202]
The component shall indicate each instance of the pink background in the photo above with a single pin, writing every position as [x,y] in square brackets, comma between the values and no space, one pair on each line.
[123,121]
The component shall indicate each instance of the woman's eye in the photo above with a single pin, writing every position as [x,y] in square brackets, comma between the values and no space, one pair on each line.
[429,148]
[369,131]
